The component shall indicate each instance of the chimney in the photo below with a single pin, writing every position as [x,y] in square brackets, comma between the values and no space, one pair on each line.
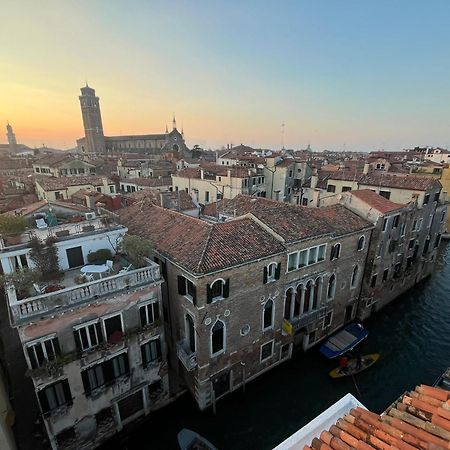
[314,180]
[366,168]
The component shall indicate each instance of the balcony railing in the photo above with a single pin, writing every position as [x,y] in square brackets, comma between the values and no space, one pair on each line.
[186,355]
[308,318]
[46,304]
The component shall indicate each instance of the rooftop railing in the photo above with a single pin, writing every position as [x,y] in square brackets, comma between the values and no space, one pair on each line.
[32,308]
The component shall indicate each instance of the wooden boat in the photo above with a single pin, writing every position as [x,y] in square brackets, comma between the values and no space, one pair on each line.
[189,440]
[352,368]
[344,340]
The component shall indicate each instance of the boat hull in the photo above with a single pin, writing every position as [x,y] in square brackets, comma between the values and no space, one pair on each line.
[352,369]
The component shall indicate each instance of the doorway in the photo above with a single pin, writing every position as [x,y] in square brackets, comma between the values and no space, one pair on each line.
[75,257]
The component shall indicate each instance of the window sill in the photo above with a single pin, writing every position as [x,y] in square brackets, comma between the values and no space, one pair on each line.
[217,299]
[188,297]
[215,355]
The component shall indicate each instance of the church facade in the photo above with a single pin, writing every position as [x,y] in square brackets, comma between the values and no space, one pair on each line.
[95,142]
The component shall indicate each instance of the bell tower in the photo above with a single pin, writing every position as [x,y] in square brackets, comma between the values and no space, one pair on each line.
[11,138]
[92,121]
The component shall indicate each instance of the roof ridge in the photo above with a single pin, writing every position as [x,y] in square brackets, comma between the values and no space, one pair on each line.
[207,244]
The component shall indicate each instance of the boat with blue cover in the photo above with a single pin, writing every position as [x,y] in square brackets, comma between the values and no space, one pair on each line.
[344,340]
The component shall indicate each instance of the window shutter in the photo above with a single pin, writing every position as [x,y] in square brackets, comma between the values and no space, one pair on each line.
[76,336]
[265,275]
[194,294]
[158,348]
[208,294]
[226,288]
[156,311]
[67,393]
[43,401]
[85,379]
[278,271]
[181,285]
[127,366]
[142,316]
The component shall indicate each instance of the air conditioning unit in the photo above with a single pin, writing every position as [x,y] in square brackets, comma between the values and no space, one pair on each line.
[89,215]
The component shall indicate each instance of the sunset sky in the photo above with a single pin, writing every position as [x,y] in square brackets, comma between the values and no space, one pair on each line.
[360,75]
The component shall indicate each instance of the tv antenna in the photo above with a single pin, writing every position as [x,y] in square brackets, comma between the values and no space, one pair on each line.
[282,136]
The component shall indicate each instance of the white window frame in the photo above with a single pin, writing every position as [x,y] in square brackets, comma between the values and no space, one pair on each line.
[271,342]
[295,266]
[145,305]
[271,277]
[86,325]
[333,293]
[363,243]
[41,341]
[307,252]
[324,327]
[147,341]
[220,297]
[272,320]
[109,316]
[339,252]
[354,277]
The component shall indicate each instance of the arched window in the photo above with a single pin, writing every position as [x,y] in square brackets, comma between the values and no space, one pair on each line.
[217,291]
[218,338]
[354,276]
[331,287]
[288,303]
[268,315]
[361,242]
[298,300]
[335,251]
[308,296]
[317,292]
[272,272]
[190,332]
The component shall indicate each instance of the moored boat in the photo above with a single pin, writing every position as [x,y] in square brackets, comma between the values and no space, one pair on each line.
[353,368]
[344,340]
[190,440]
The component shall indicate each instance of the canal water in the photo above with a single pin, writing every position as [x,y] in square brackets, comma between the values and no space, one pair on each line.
[412,334]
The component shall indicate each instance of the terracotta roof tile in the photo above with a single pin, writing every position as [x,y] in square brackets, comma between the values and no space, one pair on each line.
[149,182]
[376,201]
[196,245]
[412,422]
[293,222]
[411,182]
[54,183]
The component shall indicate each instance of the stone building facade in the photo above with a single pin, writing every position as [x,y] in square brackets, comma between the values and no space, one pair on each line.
[243,294]
[95,348]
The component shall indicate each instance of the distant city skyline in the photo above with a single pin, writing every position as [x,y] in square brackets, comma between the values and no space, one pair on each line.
[340,75]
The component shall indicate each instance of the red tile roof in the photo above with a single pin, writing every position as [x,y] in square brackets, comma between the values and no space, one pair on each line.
[149,182]
[418,420]
[196,245]
[55,183]
[376,201]
[293,222]
[410,182]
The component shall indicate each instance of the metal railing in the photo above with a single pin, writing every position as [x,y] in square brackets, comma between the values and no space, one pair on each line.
[186,355]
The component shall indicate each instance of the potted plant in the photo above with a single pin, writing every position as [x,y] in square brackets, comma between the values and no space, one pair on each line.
[137,249]
[12,227]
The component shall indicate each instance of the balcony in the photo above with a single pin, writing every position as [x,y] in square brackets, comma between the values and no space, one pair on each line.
[306,319]
[186,355]
[60,232]
[53,302]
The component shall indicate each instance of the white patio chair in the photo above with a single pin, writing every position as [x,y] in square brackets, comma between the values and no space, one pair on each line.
[40,288]
[41,223]
[126,269]
[109,265]
[89,277]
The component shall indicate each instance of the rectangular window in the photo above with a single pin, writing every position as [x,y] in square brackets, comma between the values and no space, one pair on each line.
[396,221]
[430,221]
[331,188]
[88,336]
[436,196]
[414,225]
[385,194]
[321,254]
[385,274]
[42,351]
[111,189]
[206,196]
[403,229]
[411,244]
[437,241]
[58,195]
[312,259]
[373,280]
[292,261]
[54,396]
[419,224]
[426,199]
[327,320]
[303,258]
[385,222]
[149,313]
[187,288]
[151,351]
[266,351]
[113,328]
[346,188]
[99,189]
